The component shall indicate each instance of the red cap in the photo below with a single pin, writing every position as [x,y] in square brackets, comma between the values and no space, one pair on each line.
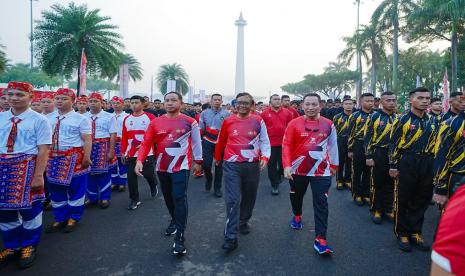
[21,86]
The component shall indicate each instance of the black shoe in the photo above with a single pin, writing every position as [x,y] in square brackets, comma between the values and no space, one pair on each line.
[358,200]
[55,227]
[367,200]
[7,255]
[89,203]
[218,193]
[121,188]
[154,192]
[340,186]
[244,228]
[274,191]
[208,186]
[70,226]
[171,229]
[178,246]
[104,204]
[229,245]
[133,205]
[404,244]
[28,255]
[419,243]
[376,217]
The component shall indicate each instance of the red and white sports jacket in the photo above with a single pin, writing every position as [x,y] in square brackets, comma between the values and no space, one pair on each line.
[310,147]
[243,140]
[134,128]
[177,140]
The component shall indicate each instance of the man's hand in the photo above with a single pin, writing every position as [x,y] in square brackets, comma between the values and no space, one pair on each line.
[440,200]
[123,159]
[37,183]
[138,168]
[370,162]
[197,168]
[111,155]
[332,171]
[217,162]
[350,154]
[263,164]
[394,173]
[287,173]
[86,162]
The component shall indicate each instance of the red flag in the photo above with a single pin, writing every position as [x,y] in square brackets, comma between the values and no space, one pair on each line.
[445,91]
[82,74]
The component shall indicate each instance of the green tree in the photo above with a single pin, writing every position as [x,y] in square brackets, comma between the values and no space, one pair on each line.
[23,72]
[440,20]
[3,59]
[135,70]
[173,72]
[388,17]
[64,31]
[96,85]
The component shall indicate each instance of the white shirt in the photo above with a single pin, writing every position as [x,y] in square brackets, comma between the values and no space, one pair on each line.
[103,124]
[119,118]
[51,116]
[33,130]
[72,125]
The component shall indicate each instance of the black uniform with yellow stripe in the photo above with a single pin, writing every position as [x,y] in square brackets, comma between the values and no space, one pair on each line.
[377,137]
[358,123]
[449,164]
[411,153]
[341,123]
[446,116]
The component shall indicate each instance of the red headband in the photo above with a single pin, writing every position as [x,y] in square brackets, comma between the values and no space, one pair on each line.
[96,95]
[66,92]
[83,99]
[117,99]
[21,86]
[47,95]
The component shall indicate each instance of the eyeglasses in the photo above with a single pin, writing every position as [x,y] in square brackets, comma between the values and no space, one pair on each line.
[243,103]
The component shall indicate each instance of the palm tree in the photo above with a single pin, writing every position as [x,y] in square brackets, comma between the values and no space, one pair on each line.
[3,59]
[173,72]
[376,42]
[443,20]
[135,70]
[388,16]
[64,31]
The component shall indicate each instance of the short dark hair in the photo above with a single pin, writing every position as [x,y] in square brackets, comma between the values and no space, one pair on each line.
[387,93]
[157,100]
[455,94]
[127,99]
[312,95]
[347,99]
[337,100]
[206,106]
[245,94]
[436,99]
[378,99]
[274,95]
[175,93]
[217,95]
[197,104]
[137,97]
[366,95]
[285,97]
[418,89]
[329,101]
[259,103]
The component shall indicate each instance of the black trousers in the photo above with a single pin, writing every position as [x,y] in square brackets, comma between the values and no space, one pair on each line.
[382,185]
[320,186]
[275,166]
[149,174]
[413,193]
[361,173]
[344,171]
[208,151]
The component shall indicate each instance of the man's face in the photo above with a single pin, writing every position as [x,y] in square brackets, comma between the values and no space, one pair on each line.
[117,106]
[420,100]
[47,105]
[136,105]
[389,102]
[457,103]
[329,105]
[37,107]
[157,105]
[81,106]
[275,102]
[311,106]
[337,105]
[216,101]
[376,103]
[244,105]
[127,104]
[367,103]
[4,102]
[172,103]
[19,99]
[63,102]
[286,102]
[436,106]
[198,108]
[95,105]
[348,105]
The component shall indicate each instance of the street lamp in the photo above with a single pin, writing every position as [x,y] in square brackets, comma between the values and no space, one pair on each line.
[32,46]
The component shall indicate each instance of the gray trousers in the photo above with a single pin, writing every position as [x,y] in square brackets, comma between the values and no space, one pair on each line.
[240,192]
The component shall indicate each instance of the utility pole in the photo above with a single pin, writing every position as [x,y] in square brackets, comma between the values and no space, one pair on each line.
[31,38]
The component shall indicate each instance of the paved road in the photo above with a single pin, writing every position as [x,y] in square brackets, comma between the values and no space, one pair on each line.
[119,242]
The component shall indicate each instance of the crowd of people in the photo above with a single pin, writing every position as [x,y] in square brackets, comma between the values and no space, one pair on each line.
[67,152]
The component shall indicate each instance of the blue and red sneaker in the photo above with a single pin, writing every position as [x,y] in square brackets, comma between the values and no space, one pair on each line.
[296,223]
[321,246]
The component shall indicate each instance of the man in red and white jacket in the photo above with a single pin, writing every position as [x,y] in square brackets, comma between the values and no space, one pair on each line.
[133,130]
[310,155]
[276,119]
[244,146]
[177,141]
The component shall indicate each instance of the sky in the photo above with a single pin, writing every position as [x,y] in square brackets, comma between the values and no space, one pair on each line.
[284,40]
